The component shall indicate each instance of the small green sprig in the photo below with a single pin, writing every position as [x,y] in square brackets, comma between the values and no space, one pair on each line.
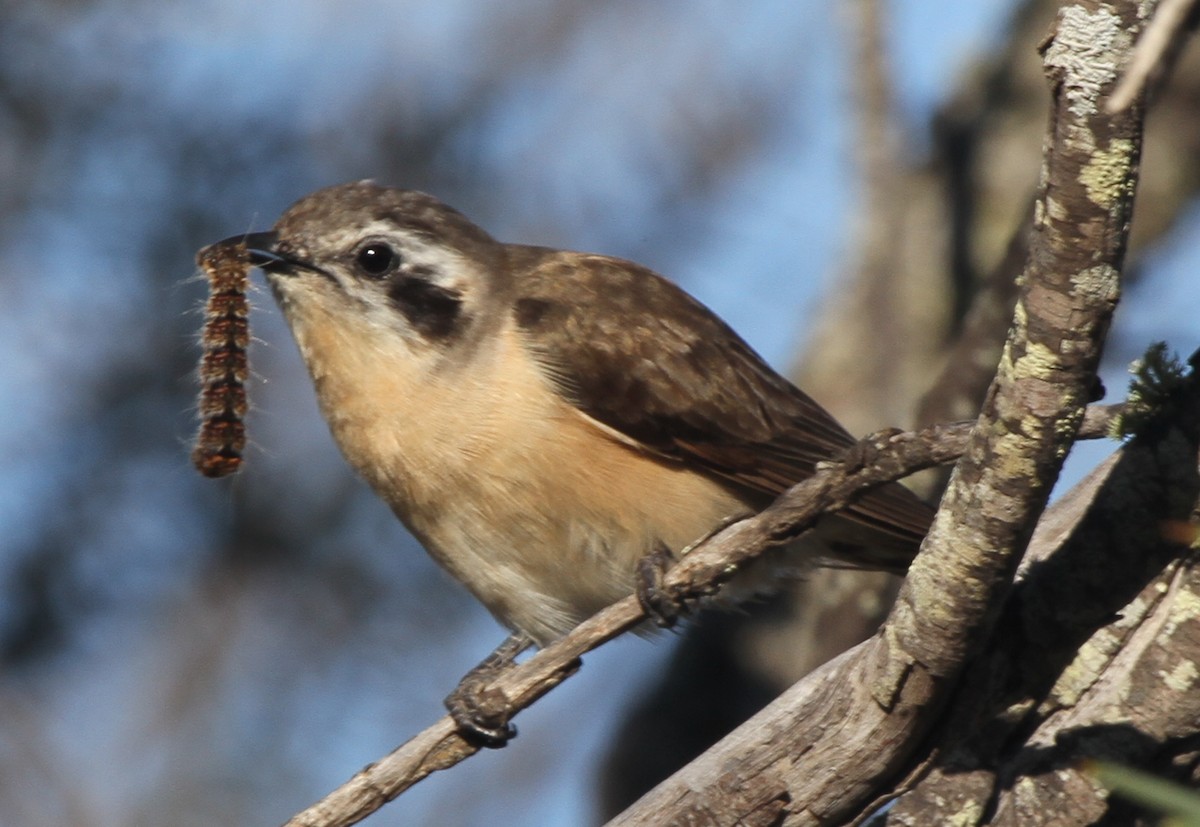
[1178,803]
[1158,379]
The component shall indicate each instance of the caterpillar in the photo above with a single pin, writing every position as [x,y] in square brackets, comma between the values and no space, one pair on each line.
[223,365]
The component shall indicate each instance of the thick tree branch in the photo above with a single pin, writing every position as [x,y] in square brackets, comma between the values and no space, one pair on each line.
[1098,651]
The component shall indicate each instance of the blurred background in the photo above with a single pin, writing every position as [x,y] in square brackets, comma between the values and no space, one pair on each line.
[841,182]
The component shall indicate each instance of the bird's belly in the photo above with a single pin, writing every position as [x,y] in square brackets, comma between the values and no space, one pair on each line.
[545,545]
[539,574]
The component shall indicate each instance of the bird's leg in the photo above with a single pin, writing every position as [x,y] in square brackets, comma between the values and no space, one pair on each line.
[658,604]
[481,710]
[663,607]
[866,451]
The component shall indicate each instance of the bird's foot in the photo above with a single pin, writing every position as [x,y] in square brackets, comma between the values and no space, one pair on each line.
[659,604]
[481,710]
[866,451]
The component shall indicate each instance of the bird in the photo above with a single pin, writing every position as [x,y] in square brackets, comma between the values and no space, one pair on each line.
[542,420]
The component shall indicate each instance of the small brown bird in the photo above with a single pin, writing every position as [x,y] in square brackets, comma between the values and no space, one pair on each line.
[541,420]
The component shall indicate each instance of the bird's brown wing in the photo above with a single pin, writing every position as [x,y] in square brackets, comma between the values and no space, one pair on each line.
[639,355]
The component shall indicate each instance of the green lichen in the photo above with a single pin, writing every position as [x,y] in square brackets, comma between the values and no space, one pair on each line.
[1091,659]
[1102,282]
[970,814]
[1185,608]
[1106,174]
[1182,677]
[1036,362]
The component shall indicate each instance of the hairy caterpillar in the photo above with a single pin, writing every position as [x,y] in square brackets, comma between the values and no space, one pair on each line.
[223,365]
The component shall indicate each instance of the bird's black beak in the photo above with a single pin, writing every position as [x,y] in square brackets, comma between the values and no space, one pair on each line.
[261,247]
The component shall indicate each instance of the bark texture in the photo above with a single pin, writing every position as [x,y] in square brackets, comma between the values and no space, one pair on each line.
[1094,656]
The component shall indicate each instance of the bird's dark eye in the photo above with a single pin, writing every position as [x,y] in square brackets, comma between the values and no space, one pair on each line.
[376,259]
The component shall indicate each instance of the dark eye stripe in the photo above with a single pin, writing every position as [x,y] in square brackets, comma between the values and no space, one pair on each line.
[431,310]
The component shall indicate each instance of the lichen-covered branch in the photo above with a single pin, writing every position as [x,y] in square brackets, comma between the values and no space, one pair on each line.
[1096,655]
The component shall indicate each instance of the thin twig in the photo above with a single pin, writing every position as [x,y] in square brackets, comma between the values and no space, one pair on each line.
[1158,47]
